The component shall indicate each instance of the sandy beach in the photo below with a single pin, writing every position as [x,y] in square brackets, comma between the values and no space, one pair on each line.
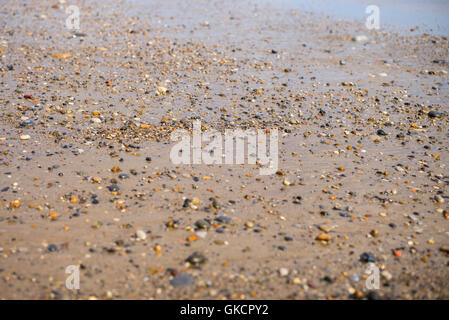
[87,178]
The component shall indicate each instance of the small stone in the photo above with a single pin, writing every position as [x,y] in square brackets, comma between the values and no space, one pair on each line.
[439,199]
[223,219]
[367,257]
[27,123]
[354,278]
[215,204]
[52,248]
[386,275]
[283,272]
[323,237]
[186,203]
[123,176]
[181,280]
[113,188]
[381,132]
[141,235]
[202,224]
[297,200]
[201,234]
[434,114]
[439,61]
[15,204]
[115,169]
[196,259]
[25,137]
[360,38]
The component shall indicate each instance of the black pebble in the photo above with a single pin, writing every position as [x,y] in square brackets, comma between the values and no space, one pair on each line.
[367,257]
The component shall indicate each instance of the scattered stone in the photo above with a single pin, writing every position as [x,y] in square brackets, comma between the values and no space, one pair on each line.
[434,114]
[141,235]
[181,280]
[360,38]
[367,257]
[386,275]
[354,278]
[439,199]
[283,272]
[223,219]
[123,176]
[27,123]
[113,188]
[25,137]
[202,224]
[196,259]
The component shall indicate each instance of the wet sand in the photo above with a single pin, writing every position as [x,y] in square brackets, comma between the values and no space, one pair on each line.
[86,177]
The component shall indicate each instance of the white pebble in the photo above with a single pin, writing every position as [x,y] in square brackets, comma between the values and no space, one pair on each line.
[141,235]
[283,272]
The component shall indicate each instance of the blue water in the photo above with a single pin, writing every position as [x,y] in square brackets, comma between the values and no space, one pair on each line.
[431,16]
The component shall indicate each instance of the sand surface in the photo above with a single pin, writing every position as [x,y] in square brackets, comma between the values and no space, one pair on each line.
[86,177]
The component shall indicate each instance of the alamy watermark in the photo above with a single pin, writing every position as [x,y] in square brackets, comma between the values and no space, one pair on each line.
[73,20]
[190,150]
[373,20]
[73,280]
[372,281]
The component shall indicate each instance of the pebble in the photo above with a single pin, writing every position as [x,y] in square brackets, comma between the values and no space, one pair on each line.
[360,38]
[181,280]
[25,137]
[367,257]
[202,224]
[434,114]
[249,224]
[375,233]
[196,259]
[386,275]
[113,188]
[283,272]
[141,235]
[201,234]
[223,219]
[354,278]
[27,123]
